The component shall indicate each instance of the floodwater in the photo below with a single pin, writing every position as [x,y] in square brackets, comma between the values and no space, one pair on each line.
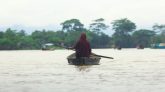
[131,70]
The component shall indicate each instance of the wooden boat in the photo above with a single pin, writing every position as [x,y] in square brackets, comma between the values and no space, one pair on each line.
[92,60]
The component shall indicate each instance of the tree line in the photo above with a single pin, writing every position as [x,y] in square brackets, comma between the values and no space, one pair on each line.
[125,35]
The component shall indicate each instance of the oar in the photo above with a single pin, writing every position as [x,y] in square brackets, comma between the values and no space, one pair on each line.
[92,53]
[103,56]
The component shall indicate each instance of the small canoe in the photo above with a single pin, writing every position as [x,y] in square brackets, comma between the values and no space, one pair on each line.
[92,60]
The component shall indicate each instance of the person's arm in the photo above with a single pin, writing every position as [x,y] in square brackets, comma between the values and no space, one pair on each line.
[90,50]
[73,47]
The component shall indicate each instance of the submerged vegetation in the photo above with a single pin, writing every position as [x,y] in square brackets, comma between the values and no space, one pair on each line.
[125,35]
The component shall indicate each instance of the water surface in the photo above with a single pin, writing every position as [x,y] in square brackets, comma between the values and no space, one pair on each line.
[132,70]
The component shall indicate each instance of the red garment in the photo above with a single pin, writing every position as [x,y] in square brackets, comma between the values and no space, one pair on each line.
[82,47]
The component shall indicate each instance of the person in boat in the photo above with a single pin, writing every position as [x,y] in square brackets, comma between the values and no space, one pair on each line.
[82,47]
[140,46]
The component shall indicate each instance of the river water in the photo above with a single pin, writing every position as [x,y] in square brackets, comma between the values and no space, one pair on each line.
[131,70]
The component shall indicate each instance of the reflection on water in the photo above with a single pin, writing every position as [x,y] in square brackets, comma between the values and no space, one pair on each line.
[85,68]
[131,70]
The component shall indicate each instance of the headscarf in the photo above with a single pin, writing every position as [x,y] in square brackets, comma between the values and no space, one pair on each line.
[82,37]
[82,46]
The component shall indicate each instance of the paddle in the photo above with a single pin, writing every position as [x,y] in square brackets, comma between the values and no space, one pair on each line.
[103,56]
[99,55]
[92,54]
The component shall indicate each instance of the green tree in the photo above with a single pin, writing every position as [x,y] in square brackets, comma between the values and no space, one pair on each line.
[143,37]
[71,37]
[57,37]
[11,39]
[159,29]
[1,35]
[98,25]
[21,33]
[99,41]
[122,28]
[27,42]
[5,44]
[72,25]
[39,38]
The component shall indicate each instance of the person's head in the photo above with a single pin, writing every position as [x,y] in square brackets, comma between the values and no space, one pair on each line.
[83,36]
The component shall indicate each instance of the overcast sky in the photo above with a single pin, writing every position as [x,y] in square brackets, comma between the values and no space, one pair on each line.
[46,13]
